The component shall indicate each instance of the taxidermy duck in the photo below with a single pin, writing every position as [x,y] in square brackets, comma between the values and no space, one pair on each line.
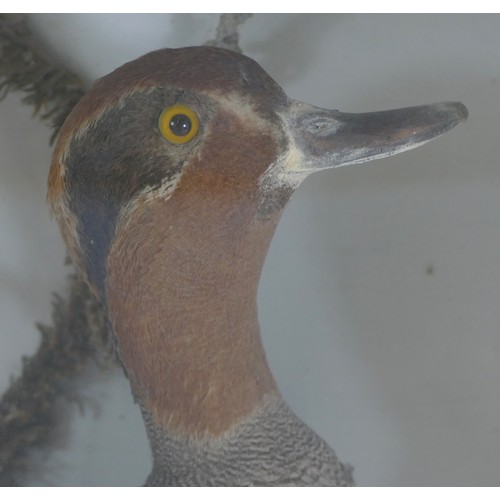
[168,180]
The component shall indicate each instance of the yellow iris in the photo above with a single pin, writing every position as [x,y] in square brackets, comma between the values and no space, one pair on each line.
[178,124]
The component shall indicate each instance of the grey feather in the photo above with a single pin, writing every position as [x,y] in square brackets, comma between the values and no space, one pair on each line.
[270,448]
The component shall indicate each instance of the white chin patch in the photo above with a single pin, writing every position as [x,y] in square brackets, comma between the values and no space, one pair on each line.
[285,172]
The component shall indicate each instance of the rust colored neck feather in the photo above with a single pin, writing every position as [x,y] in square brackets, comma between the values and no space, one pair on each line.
[182,290]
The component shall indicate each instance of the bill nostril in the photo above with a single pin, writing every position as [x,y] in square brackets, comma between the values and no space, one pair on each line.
[322,126]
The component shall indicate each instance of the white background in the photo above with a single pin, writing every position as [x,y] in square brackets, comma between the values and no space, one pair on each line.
[380,298]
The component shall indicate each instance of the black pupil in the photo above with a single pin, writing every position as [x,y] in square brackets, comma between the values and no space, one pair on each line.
[180,125]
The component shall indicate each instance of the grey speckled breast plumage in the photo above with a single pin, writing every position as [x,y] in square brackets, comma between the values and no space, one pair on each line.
[271,448]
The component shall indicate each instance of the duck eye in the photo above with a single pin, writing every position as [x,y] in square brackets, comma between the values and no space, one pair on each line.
[178,124]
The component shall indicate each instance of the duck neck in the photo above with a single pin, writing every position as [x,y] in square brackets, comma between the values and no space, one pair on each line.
[182,299]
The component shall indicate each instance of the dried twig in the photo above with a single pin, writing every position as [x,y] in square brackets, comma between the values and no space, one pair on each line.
[227,36]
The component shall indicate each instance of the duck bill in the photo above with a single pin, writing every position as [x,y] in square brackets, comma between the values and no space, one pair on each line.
[328,139]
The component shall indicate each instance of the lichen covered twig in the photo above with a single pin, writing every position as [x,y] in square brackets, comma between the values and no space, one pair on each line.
[28,414]
[27,410]
[50,89]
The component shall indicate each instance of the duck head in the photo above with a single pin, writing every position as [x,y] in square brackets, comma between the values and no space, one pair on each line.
[168,180]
